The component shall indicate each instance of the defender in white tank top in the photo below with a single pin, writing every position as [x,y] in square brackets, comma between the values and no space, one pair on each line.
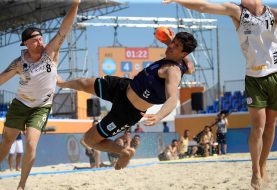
[37,82]
[259,43]
[256,28]
[37,69]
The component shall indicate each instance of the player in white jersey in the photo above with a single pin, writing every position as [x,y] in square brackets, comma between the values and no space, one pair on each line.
[37,68]
[256,27]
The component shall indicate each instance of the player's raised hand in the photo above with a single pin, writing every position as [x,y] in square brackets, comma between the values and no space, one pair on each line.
[150,119]
[76,1]
[164,34]
[167,1]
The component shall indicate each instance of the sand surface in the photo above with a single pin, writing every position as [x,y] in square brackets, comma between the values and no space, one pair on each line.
[231,172]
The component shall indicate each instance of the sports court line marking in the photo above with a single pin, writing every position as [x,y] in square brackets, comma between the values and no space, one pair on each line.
[207,161]
[75,170]
[132,166]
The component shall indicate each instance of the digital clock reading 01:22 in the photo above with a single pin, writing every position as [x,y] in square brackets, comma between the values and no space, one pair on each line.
[136,53]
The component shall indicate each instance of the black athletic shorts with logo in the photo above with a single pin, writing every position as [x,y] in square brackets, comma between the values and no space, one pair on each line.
[123,114]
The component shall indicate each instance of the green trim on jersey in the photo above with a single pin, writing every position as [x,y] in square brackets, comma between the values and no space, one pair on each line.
[20,116]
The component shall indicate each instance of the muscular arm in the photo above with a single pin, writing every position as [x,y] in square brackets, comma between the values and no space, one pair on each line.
[172,76]
[190,65]
[54,45]
[203,6]
[172,80]
[10,71]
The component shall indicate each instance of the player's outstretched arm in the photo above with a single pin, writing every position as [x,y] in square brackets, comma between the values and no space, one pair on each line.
[172,80]
[54,45]
[229,9]
[274,11]
[164,35]
[190,65]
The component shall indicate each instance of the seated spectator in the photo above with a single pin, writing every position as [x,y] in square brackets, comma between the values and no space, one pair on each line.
[138,129]
[214,143]
[135,142]
[206,142]
[183,145]
[193,148]
[124,140]
[170,152]
[185,148]
[94,155]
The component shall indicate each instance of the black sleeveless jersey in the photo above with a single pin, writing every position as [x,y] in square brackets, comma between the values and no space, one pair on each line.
[149,86]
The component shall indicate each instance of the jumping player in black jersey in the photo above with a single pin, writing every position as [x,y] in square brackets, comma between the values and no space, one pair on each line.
[156,84]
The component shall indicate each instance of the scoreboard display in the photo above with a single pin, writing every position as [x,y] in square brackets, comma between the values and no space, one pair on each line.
[126,61]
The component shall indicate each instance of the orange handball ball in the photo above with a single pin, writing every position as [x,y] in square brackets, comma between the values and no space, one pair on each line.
[163,34]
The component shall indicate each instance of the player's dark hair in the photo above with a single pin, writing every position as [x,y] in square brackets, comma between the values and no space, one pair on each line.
[188,41]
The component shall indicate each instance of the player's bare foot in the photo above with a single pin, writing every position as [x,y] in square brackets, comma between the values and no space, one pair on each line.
[265,177]
[20,188]
[256,182]
[124,158]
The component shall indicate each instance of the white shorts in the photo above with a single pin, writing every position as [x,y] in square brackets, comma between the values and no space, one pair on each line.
[17,147]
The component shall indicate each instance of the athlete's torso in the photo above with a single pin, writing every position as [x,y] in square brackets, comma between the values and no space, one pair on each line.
[221,126]
[259,43]
[37,81]
[149,86]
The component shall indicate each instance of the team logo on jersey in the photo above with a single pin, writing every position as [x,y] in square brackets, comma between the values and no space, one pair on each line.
[109,67]
[146,93]
[41,122]
[275,57]
[249,100]
[111,126]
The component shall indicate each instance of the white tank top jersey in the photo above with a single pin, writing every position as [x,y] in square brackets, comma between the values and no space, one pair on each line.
[221,126]
[258,41]
[37,82]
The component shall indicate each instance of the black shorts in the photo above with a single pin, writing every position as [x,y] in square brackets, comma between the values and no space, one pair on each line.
[221,138]
[123,114]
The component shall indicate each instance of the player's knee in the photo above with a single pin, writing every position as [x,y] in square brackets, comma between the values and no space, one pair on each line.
[30,146]
[91,139]
[257,132]
[88,140]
